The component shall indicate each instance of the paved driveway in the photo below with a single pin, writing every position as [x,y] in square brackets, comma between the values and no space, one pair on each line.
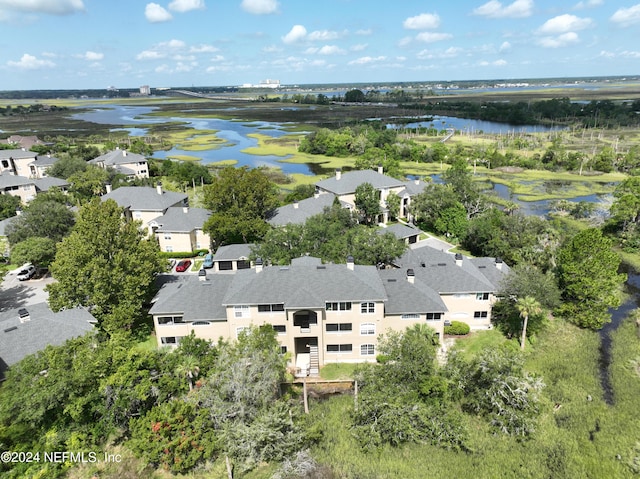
[18,294]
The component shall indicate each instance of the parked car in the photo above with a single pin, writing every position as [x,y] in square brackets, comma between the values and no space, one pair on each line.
[208,261]
[26,272]
[183,266]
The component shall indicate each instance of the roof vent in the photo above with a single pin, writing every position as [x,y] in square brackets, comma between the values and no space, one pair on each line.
[442,264]
[258,264]
[499,263]
[350,262]
[411,276]
[202,275]
[458,259]
[23,314]
[391,280]
[321,267]
[12,328]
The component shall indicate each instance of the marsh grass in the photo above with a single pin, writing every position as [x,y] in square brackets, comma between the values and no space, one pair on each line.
[577,435]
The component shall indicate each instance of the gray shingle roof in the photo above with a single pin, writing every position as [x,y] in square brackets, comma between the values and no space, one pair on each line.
[44,328]
[289,214]
[400,230]
[45,160]
[143,198]
[118,157]
[489,269]
[304,285]
[4,223]
[16,154]
[233,251]
[412,188]
[7,180]
[198,300]
[350,180]
[407,298]
[438,270]
[43,184]
[182,220]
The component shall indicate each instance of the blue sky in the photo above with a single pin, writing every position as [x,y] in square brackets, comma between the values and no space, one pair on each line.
[62,44]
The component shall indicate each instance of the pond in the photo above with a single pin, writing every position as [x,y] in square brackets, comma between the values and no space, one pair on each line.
[465,125]
[235,133]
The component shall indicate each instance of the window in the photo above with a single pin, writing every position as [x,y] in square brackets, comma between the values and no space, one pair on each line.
[243,264]
[167,236]
[268,308]
[5,164]
[170,339]
[338,327]
[367,329]
[169,319]
[283,349]
[480,314]
[462,296]
[367,308]
[241,311]
[410,316]
[367,350]
[225,265]
[482,296]
[280,328]
[339,348]
[168,248]
[343,306]
[434,316]
[200,323]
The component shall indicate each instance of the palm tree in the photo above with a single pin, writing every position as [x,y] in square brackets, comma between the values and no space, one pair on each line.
[527,306]
[188,367]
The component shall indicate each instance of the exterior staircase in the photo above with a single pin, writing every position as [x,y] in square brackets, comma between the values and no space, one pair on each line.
[314,365]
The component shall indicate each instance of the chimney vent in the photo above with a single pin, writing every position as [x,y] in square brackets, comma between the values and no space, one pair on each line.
[338,173]
[411,276]
[295,205]
[202,275]
[499,263]
[380,169]
[458,259]
[159,187]
[107,188]
[23,314]
[258,264]
[350,263]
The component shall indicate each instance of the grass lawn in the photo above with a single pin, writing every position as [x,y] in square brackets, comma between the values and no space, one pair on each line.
[337,371]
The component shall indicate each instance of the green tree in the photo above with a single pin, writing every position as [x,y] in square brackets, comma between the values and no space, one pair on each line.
[88,183]
[589,280]
[240,200]
[367,201]
[41,219]
[189,369]
[528,307]
[8,206]
[495,385]
[354,96]
[393,205]
[39,251]
[105,264]
[66,167]
[625,209]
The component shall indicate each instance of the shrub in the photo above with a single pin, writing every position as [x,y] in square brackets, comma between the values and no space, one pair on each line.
[457,328]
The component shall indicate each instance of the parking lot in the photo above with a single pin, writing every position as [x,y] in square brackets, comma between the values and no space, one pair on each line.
[18,294]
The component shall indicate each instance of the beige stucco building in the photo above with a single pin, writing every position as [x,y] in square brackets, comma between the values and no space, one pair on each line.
[132,165]
[325,313]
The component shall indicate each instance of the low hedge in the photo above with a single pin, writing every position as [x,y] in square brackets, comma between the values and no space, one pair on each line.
[457,328]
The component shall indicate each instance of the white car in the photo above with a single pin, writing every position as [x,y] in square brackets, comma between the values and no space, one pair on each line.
[26,272]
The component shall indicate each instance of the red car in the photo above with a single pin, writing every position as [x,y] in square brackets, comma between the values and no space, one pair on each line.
[183,266]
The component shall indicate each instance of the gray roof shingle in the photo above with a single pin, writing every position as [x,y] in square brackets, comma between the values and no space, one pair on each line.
[118,157]
[407,298]
[143,198]
[44,327]
[233,251]
[350,180]
[290,214]
[182,219]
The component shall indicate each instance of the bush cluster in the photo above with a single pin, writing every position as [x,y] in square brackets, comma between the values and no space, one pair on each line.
[457,328]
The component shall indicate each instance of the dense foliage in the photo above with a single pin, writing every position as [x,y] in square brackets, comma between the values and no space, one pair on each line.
[105,264]
[331,236]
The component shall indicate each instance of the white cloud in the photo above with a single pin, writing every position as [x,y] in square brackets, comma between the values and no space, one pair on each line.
[497,63]
[331,50]
[626,17]
[506,46]
[588,4]
[260,7]
[54,7]
[203,48]
[186,5]
[29,62]
[359,47]
[155,13]
[424,21]
[563,24]
[450,52]
[431,37]
[172,44]
[367,60]
[271,49]
[563,40]
[364,32]
[150,55]
[495,9]
[323,36]
[93,56]
[624,54]
[296,34]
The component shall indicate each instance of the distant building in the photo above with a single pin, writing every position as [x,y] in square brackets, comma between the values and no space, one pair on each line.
[132,165]
[145,90]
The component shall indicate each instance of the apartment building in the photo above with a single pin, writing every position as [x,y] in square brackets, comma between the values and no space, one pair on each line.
[327,313]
